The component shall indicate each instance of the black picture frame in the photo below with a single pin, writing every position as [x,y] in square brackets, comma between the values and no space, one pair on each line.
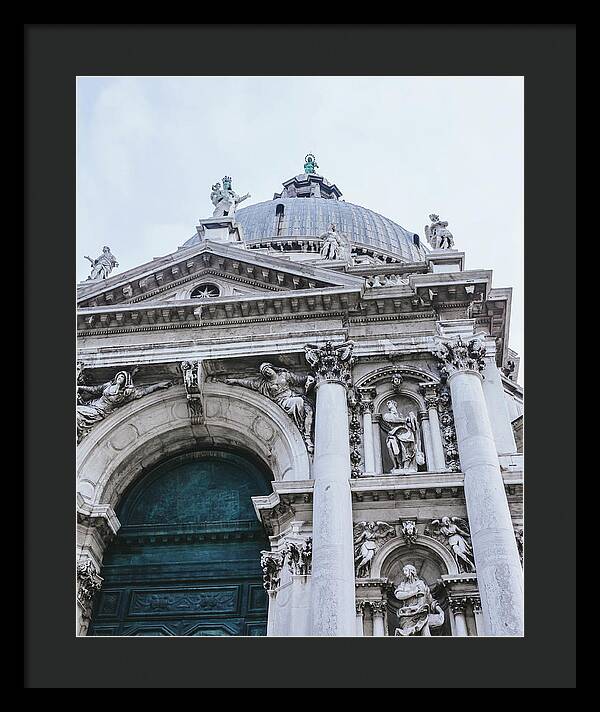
[54,55]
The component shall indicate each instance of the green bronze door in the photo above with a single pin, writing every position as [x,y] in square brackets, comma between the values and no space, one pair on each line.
[186,560]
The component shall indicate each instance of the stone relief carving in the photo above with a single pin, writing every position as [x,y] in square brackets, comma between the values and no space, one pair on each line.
[387,280]
[438,235]
[368,538]
[418,611]
[448,430]
[299,557]
[457,355]
[454,533]
[278,385]
[331,363]
[408,528]
[335,246]
[103,265]
[403,439]
[355,431]
[225,199]
[192,381]
[397,380]
[271,563]
[88,582]
[97,402]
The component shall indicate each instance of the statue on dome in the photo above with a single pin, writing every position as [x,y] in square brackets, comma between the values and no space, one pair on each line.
[225,199]
[419,611]
[102,266]
[310,164]
[279,384]
[335,245]
[438,235]
[403,439]
[107,397]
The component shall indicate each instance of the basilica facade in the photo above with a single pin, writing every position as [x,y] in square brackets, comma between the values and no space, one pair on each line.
[305,420]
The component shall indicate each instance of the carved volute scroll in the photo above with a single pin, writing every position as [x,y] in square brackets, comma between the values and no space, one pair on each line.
[331,364]
[456,355]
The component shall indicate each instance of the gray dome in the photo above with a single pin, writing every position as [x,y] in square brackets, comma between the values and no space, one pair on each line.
[311,217]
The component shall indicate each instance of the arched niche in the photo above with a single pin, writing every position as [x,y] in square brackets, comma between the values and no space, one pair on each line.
[406,401]
[136,437]
[431,560]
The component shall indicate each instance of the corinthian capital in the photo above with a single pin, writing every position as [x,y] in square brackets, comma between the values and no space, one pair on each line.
[456,355]
[331,363]
[88,582]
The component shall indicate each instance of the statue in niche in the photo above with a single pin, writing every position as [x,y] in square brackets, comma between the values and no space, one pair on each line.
[110,396]
[225,199]
[335,245]
[102,266]
[457,537]
[403,439]
[278,385]
[419,611]
[438,235]
[368,537]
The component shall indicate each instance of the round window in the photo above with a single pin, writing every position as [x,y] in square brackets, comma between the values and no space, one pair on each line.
[205,291]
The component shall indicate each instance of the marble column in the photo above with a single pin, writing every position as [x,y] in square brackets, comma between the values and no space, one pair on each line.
[499,574]
[377,444]
[332,595]
[360,618]
[429,457]
[458,612]
[366,408]
[493,390]
[430,391]
[378,608]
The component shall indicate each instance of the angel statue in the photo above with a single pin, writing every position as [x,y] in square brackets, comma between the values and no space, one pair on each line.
[102,266]
[367,536]
[418,611]
[457,537]
[279,384]
[225,199]
[110,396]
[403,439]
[438,235]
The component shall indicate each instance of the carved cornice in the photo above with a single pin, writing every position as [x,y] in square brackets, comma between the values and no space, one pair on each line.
[331,363]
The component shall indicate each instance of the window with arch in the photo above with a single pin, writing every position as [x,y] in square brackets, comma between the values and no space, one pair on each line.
[207,290]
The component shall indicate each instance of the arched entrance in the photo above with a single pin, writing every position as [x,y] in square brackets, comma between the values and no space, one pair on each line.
[186,560]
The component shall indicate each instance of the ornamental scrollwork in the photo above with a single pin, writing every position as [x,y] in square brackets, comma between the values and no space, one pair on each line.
[456,355]
[408,529]
[88,582]
[192,381]
[331,363]
[299,557]
[271,563]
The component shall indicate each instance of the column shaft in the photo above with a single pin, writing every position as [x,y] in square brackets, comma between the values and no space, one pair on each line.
[493,390]
[439,461]
[378,623]
[429,456]
[499,573]
[332,599]
[368,443]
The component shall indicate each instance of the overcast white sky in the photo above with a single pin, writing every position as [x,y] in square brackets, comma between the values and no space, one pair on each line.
[149,150]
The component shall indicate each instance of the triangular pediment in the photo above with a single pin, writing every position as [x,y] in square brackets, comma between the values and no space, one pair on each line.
[232,270]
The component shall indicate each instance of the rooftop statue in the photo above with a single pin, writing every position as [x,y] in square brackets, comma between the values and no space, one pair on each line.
[335,245]
[102,266]
[310,164]
[225,199]
[419,611]
[437,234]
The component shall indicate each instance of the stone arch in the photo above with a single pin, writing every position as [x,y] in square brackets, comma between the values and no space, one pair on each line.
[386,372]
[393,549]
[390,394]
[144,432]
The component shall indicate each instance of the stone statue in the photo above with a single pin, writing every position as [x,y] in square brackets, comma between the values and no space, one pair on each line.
[278,384]
[335,245]
[438,235]
[110,396]
[102,266]
[225,199]
[455,532]
[403,439]
[368,538]
[310,164]
[418,611]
